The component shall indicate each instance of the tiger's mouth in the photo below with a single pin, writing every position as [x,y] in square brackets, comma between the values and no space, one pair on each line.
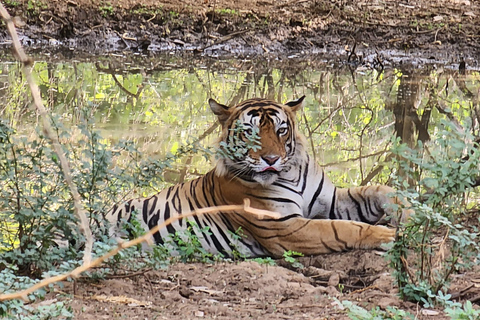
[269,169]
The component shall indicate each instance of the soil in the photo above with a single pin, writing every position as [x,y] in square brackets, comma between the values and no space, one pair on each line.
[426,28]
[418,28]
[250,290]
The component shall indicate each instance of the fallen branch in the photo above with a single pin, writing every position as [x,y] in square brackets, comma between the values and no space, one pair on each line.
[47,129]
[145,238]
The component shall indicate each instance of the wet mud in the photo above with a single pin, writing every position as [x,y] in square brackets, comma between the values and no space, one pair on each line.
[441,30]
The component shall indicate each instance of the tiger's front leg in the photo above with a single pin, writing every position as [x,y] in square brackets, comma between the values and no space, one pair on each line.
[312,237]
[370,204]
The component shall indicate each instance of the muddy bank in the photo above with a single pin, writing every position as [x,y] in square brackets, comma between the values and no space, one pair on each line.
[445,30]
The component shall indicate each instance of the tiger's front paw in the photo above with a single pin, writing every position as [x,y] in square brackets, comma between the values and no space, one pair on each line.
[375,236]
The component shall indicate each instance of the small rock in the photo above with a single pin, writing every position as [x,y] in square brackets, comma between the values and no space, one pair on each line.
[185,292]
[428,312]
[334,280]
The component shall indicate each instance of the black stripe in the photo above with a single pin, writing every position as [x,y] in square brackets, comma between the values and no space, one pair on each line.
[153,222]
[193,194]
[119,216]
[128,204]
[285,218]
[230,228]
[212,189]
[115,207]
[365,211]
[177,204]
[315,195]
[305,176]
[368,205]
[283,200]
[219,247]
[258,104]
[217,244]
[293,181]
[190,205]
[329,248]
[154,204]
[357,205]
[307,221]
[349,217]
[336,235]
[253,224]
[281,246]
[166,216]
[169,190]
[200,226]
[278,184]
[332,207]
[204,187]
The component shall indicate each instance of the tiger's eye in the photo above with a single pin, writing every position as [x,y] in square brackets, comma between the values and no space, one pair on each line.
[248,131]
[282,131]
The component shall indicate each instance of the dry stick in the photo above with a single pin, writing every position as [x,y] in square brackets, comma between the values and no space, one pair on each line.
[145,238]
[47,129]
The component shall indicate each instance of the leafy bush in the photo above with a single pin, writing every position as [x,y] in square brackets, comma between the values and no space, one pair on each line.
[467,312]
[289,257]
[444,174]
[358,313]
[186,244]
[37,206]
[15,309]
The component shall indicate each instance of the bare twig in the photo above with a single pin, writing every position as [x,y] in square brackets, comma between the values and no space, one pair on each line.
[47,129]
[145,238]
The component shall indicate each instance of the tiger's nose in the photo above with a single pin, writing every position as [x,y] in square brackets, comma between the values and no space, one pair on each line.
[270,160]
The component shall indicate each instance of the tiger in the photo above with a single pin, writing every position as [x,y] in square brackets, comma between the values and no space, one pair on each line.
[265,160]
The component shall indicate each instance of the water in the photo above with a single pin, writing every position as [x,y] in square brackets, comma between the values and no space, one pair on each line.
[350,116]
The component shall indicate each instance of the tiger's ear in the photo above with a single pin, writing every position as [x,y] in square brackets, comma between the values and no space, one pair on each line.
[222,111]
[296,104]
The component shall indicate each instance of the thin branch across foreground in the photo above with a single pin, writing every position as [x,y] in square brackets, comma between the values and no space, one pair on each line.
[245,208]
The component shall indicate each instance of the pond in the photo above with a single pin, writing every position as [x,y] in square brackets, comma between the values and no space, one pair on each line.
[351,113]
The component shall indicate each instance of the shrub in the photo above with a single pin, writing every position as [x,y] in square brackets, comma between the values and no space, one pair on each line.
[37,206]
[445,171]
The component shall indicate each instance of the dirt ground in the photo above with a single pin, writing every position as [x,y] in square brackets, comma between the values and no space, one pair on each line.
[249,27]
[248,290]
[245,27]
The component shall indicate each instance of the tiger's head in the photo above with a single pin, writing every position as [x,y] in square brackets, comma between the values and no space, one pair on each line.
[259,140]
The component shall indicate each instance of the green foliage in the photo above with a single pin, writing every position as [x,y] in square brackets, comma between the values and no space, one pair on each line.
[35,6]
[241,139]
[35,201]
[227,11]
[289,257]
[142,9]
[444,175]
[12,3]
[267,261]
[106,10]
[358,313]
[186,243]
[237,236]
[37,206]
[465,313]
[16,309]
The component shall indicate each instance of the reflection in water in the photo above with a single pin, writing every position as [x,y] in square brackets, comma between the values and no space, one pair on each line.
[349,117]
